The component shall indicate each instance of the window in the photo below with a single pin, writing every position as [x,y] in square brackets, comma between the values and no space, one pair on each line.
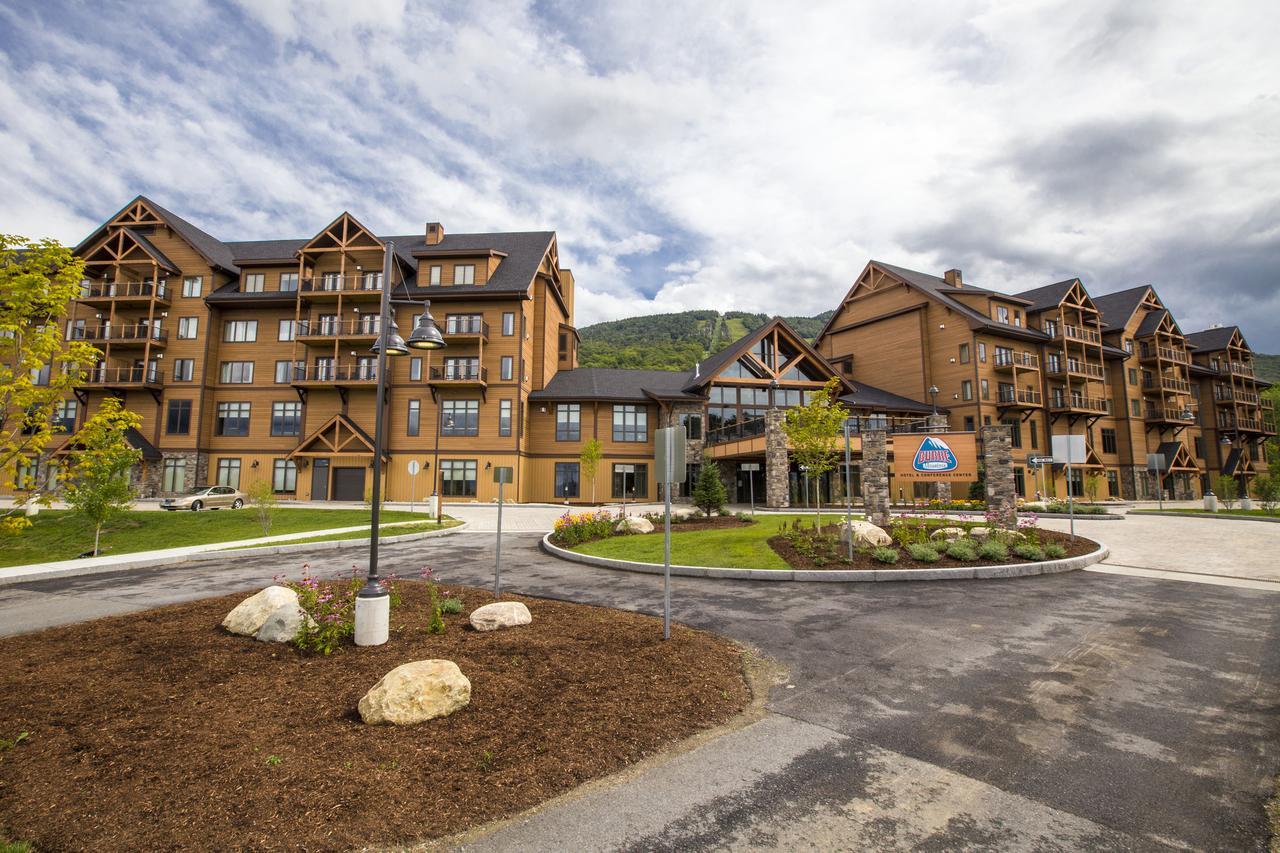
[288,284]
[371,281]
[1113,484]
[331,281]
[964,353]
[692,424]
[464,273]
[1135,407]
[462,368]
[236,372]
[233,419]
[1015,431]
[1133,376]
[509,323]
[1017,318]
[508,367]
[504,417]
[460,417]
[76,330]
[1053,362]
[1199,443]
[568,422]
[1035,434]
[982,352]
[286,418]
[563,351]
[966,389]
[174,477]
[986,389]
[285,371]
[40,375]
[630,423]
[463,324]
[284,476]
[1002,314]
[1128,346]
[1050,328]
[188,328]
[566,479]
[191,287]
[64,415]
[415,369]
[415,417]
[183,369]
[435,274]
[178,418]
[229,473]
[1109,441]
[240,331]
[458,478]
[630,481]
[288,330]
[253,282]
[968,423]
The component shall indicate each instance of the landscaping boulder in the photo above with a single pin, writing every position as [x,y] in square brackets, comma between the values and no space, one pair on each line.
[980,532]
[282,625]
[948,533]
[865,535]
[634,524]
[248,617]
[416,692]
[500,614]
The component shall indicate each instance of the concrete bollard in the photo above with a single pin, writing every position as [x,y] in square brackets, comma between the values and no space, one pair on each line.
[1246,503]
[1210,502]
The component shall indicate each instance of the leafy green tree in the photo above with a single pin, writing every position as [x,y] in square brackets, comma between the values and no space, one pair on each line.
[97,475]
[1271,448]
[38,280]
[814,431]
[1227,490]
[1092,484]
[263,496]
[589,463]
[1266,488]
[708,490]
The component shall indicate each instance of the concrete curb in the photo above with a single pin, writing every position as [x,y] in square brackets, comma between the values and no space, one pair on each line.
[1014,570]
[1218,515]
[200,556]
[1079,516]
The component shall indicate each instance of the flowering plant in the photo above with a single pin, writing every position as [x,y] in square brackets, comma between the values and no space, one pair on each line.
[328,612]
[575,528]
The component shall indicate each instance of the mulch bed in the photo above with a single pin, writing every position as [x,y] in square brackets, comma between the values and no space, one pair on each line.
[784,549]
[159,730]
[719,522]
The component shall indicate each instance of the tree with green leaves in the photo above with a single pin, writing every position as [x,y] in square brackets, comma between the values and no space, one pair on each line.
[263,496]
[589,463]
[1092,485]
[1271,448]
[1266,488]
[1227,490]
[97,476]
[814,431]
[708,490]
[38,280]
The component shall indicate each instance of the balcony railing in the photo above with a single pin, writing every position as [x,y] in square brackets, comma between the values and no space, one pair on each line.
[115,376]
[1168,415]
[734,431]
[1166,384]
[1240,368]
[466,327]
[336,373]
[1079,333]
[1008,360]
[1150,353]
[1018,397]
[1080,403]
[125,289]
[1073,365]
[364,283]
[1224,394]
[326,328]
[460,373]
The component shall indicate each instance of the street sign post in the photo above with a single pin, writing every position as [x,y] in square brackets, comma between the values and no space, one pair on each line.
[414,468]
[1155,464]
[624,470]
[501,476]
[1069,450]
[848,491]
[749,468]
[669,455]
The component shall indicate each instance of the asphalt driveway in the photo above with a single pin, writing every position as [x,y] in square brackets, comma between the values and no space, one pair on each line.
[1073,711]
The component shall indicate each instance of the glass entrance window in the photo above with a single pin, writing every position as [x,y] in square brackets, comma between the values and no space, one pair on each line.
[458,478]
[566,479]
[630,481]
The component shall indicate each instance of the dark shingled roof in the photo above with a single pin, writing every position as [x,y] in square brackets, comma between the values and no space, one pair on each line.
[151,249]
[615,383]
[1118,307]
[1150,323]
[870,397]
[1048,296]
[1211,340]
[211,248]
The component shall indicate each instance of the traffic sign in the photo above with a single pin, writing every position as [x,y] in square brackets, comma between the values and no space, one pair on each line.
[749,466]
[669,454]
[414,467]
[1040,460]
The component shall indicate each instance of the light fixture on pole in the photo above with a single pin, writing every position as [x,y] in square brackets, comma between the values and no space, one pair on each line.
[933,395]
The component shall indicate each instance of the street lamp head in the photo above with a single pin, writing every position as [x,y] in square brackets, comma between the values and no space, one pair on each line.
[394,343]
[933,389]
[426,335]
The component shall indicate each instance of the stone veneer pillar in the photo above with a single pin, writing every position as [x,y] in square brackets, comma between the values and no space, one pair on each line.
[875,477]
[777,480]
[941,489]
[1002,494]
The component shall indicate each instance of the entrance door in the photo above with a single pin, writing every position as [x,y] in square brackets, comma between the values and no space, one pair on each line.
[320,480]
[747,480]
[348,484]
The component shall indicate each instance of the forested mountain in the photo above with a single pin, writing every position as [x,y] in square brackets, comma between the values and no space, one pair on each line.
[1267,367]
[675,341]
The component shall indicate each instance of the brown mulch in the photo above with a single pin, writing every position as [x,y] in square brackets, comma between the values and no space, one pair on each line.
[159,730]
[796,560]
[719,522]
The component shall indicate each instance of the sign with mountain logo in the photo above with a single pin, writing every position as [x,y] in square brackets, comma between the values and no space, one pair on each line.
[934,456]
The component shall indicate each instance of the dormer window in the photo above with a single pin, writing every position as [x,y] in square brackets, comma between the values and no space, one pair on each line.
[254,282]
[1051,328]
[1017,318]
[464,273]
[434,276]
[1002,314]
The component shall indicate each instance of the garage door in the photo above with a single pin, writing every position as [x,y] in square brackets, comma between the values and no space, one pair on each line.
[348,484]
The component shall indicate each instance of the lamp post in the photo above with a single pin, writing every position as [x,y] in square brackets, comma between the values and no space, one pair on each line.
[373,603]
[933,395]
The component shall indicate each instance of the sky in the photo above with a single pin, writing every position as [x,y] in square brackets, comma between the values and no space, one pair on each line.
[735,156]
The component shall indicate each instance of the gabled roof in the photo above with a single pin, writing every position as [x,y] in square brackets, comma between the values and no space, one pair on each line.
[613,383]
[132,437]
[712,367]
[1212,340]
[338,435]
[213,250]
[1176,457]
[1151,323]
[866,396]
[147,246]
[1049,296]
[1118,307]
[1237,462]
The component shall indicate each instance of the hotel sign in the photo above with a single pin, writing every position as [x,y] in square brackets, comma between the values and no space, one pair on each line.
[935,456]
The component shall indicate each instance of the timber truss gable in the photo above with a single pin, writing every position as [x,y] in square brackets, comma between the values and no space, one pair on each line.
[773,353]
[340,436]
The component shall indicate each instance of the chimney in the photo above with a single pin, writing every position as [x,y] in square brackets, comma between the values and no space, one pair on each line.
[435,233]
[952,277]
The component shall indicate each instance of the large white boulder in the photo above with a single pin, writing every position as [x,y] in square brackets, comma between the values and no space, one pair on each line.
[282,625]
[634,524]
[980,532]
[949,533]
[416,692]
[250,615]
[865,535]
[500,614]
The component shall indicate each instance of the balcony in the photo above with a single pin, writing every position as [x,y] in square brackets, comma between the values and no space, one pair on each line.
[1226,394]
[315,330]
[1008,361]
[1165,385]
[1240,368]
[459,375]
[1011,398]
[1079,334]
[1167,415]
[1079,404]
[336,376]
[136,376]
[332,285]
[465,328]
[1269,424]
[1150,353]
[124,291]
[1075,367]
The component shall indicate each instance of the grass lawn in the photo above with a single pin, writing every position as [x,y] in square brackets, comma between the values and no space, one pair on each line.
[401,530]
[1242,513]
[734,547]
[59,535]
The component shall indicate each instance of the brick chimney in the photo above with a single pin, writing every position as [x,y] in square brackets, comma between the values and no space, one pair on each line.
[435,233]
[952,277]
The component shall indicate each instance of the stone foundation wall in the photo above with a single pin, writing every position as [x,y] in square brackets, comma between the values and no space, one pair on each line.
[1001,492]
[776,462]
[875,477]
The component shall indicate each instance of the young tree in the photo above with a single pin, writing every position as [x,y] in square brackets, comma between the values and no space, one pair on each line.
[38,280]
[97,475]
[1227,490]
[1092,483]
[589,463]
[263,495]
[1266,488]
[708,490]
[814,432]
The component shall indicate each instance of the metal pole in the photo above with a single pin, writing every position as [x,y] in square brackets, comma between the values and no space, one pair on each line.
[1160,488]
[437,484]
[848,489]
[1071,506]
[751,483]
[666,550]
[497,558]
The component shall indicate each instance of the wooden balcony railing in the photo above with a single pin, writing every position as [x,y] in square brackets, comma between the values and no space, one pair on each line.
[1079,333]
[460,373]
[465,327]
[326,328]
[125,289]
[336,374]
[1079,403]
[1009,360]
[364,283]
[1018,397]
[121,376]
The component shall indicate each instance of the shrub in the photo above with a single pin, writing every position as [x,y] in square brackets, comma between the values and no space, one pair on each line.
[909,532]
[263,497]
[575,528]
[1227,490]
[1028,551]
[329,611]
[742,516]
[1266,488]
[885,555]
[708,490]
[1054,551]
[993,549]
[922,552]
[451,606]
[435,608]
[962,549]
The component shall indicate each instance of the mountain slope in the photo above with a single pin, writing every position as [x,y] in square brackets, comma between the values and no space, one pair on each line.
[675,341]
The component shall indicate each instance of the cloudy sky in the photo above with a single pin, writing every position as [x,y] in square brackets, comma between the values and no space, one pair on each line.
[730,156]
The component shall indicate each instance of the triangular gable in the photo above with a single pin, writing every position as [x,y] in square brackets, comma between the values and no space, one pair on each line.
[790,351]
[1237,463]
[126,246]
[142,212]
[1169,325]
[132,437]
[872,278]
[343,234]
[340,436]
[1077,295]
[1176,457]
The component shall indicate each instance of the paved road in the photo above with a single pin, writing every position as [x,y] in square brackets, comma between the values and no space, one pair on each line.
[1072,711]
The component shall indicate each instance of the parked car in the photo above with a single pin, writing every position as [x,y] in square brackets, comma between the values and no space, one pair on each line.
[206,497]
